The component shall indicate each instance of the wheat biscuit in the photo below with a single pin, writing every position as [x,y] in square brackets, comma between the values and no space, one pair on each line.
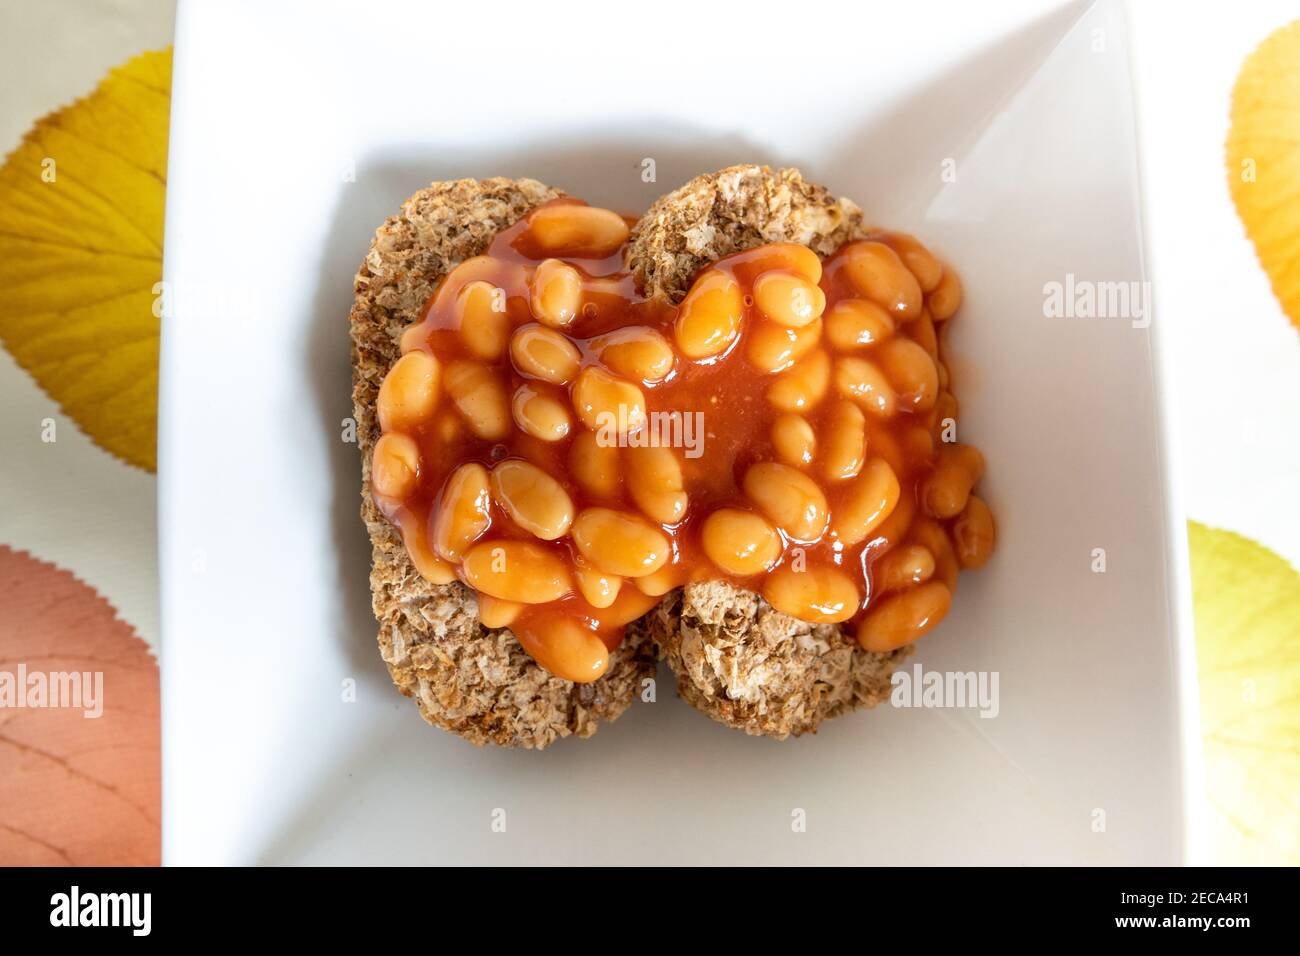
[736,658]
[474,682]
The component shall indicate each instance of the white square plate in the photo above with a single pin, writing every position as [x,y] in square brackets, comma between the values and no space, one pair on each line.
[297,128]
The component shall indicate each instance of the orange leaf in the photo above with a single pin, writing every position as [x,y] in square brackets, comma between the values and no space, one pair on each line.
[78,790]
[1263,157]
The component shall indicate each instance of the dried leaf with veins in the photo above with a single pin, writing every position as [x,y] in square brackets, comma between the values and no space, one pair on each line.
[81,226]
[77,791]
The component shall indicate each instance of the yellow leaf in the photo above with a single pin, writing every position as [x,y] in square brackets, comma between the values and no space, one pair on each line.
[1264,159]
[81,226]
[1247,605]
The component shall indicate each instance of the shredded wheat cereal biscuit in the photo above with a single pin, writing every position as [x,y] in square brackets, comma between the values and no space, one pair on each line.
[474,682]
[738,659]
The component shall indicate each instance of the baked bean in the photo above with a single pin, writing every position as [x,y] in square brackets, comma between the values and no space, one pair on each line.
[627,607]
[539,415]
[973,533]
[866,502]
[862,380]
[708,320]
[448,426]
[900,568]
[856,323]
[878,273]
[944,414]
[911,371]
[883,444]
[464,513]
[620,543]
[794,441]
[637,352]
[494,613]
[917,443]
[533,499]
[946,297]
[958,467]
[594,466]
[774,348]
[846,442]
[572,229]
[788,299]
[395,466]
[480,397]
[409,392]
[516,571]
[923,334]
[903,617]
[427,564]
[564,647]
[918,259]
[471,270]
[934,538]
[556,294]
[474,269]
[803,386]
[740,542]
[894,529]
[788,497]
[433,569]
[654,478]
[658,583]
[484,323]
[605,401]
[544,353]
[789,256]
[819,595]
[414,336]
[597,588]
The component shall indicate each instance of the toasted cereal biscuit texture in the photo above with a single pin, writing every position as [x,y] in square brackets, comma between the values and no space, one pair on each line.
[729,211]
[749,666]
[737,658]
[475,682]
